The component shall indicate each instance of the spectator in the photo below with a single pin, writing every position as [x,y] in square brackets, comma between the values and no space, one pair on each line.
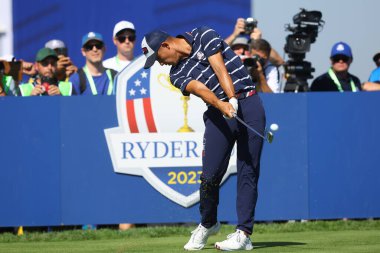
[240,47]
[337,77]
[124,38]
[45,82]
[10,76]
[65,67]
[263,72]
[373,83]
[93,78]
[256,33]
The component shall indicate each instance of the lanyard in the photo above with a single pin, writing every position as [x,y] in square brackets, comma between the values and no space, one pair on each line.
[7,85]
[337,83]
[117,61]
[92,83]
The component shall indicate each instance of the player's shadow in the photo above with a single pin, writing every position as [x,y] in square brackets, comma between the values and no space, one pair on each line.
[258,245]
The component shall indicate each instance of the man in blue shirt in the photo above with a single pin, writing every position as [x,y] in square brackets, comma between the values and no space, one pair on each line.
[204,65]
[93,78]
[373,83]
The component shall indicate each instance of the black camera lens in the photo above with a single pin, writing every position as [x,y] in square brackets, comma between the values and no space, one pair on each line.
[61,51]
[249,25]
[250,62]
[49,80]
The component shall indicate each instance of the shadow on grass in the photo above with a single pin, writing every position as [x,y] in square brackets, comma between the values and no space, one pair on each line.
[258,245]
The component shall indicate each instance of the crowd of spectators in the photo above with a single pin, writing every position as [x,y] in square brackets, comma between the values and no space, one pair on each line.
[53,72]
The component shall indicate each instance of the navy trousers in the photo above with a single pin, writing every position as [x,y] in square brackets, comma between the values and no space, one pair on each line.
[219,138]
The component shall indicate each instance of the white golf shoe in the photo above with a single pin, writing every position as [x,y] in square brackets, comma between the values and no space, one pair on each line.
[200,235]
[235,241]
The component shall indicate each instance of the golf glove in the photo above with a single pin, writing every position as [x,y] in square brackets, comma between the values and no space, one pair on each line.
[234,102]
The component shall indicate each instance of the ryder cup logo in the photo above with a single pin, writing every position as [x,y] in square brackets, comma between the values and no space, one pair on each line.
[160,133]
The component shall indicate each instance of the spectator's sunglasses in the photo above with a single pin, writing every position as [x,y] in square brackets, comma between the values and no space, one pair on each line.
[90,46]
[338,58]
[48,61]
[121,38]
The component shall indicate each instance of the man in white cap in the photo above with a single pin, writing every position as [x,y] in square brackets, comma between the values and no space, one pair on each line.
[65,67]
[124,37]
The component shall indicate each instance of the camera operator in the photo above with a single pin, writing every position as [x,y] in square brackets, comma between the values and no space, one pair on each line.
[248,27]
[263,72]
[65,67]
[45,82]
[337,77]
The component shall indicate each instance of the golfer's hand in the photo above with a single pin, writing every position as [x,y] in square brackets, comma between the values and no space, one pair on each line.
[234,102]
[227,109]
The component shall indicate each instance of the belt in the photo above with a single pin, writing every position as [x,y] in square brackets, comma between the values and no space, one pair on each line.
[245,94]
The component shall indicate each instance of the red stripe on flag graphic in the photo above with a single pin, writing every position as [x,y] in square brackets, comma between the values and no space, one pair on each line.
[149,115]
[131,116]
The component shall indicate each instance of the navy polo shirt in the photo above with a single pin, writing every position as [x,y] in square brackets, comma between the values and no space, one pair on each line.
[206,42]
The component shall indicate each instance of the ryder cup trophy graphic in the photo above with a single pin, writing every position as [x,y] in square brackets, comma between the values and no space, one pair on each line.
[147,141]
[164,80]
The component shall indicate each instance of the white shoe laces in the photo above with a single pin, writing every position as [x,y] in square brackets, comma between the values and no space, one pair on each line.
[198,233]
[235,234]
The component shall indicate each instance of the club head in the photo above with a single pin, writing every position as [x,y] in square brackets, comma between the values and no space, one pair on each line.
[269,136]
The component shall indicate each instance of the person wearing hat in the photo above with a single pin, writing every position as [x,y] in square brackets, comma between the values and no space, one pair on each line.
[204,65]
[239,32]
[373,83]
[65,67]
[124,38]
[240,47]
[46,82]
[337,77]
[93,78]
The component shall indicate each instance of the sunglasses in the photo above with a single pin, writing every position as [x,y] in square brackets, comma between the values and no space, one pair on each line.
[339,58]
[89,47]
[121,38]
[48,62]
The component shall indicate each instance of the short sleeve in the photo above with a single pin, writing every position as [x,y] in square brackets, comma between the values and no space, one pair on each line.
[375,76]
[74,79]
[272,75]
[211,42]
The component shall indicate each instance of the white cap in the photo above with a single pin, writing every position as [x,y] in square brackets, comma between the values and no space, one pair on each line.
[123,25]
[54,44]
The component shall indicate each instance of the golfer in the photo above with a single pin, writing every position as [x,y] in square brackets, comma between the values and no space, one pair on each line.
[204,65]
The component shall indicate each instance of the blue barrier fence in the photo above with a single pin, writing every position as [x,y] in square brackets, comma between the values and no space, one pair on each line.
[56,169]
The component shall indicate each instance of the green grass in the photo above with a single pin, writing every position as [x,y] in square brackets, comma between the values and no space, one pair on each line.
[321,236]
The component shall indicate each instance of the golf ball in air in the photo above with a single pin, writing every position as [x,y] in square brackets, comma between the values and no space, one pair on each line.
[274,127]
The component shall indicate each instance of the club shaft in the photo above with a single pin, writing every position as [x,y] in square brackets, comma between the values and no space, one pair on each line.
[249,127]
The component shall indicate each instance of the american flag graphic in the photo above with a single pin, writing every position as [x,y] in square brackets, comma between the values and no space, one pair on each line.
[138,103]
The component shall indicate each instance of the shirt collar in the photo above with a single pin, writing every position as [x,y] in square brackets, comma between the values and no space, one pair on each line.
[187,36]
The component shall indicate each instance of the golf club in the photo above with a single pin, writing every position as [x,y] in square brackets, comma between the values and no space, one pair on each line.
[268,135]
